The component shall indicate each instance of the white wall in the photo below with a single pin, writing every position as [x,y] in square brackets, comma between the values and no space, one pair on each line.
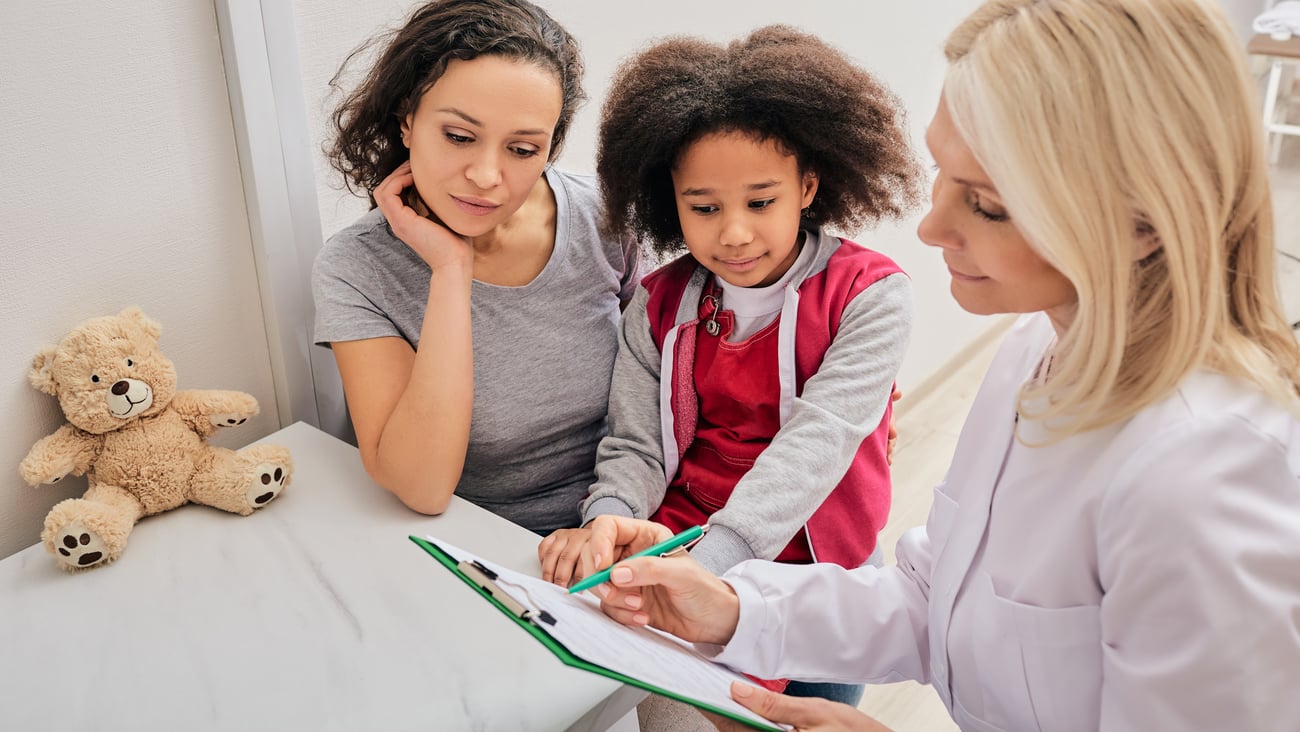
[121,186]
[899,41]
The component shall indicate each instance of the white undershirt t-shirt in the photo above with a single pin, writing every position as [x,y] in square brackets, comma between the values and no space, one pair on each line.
[753,308]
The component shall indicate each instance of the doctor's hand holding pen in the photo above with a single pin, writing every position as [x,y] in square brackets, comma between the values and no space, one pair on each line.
[678,595]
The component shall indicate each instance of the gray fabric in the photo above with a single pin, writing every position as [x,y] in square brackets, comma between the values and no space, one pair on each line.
[543,352]
[840,405]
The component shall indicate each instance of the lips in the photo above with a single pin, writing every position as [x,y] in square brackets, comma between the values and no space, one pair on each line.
[475,206]
[965,277]
[740,265]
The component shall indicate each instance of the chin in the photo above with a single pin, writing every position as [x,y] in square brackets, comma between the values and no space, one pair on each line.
[460,225]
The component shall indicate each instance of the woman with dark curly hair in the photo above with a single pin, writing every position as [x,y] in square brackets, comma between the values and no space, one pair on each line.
[422,300]
[752,385]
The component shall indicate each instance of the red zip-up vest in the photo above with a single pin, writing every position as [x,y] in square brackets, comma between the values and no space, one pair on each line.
[723,402]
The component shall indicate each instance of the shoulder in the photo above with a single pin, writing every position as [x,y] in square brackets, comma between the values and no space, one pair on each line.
[844,266]
[580,222]
[671,276]
[1208,402]
[1213,449]
[356,242]
[579,189]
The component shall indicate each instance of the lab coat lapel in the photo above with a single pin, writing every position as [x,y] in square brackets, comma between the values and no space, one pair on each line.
[977,464]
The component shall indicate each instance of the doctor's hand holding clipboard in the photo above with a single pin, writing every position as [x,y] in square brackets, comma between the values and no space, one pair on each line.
[677,595]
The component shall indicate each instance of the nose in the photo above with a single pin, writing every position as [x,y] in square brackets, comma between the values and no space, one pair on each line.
[936,228]
[484,171]
[736,231]
[121,387]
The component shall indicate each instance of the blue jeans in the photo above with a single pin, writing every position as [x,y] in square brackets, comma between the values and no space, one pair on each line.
[849,694]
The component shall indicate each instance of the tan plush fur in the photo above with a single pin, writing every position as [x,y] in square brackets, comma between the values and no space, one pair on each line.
[141,443]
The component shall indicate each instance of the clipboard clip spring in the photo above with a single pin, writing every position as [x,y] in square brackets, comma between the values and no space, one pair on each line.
[485,578]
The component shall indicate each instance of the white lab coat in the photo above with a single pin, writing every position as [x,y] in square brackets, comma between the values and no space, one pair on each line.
[1145,576]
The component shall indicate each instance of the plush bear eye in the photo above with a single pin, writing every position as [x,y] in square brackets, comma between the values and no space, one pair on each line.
[94,378]
[130,363]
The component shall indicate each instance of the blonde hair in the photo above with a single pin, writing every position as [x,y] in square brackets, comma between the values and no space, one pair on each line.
[1102,122]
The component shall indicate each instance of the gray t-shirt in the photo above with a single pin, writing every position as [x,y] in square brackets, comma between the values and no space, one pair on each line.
[543,352]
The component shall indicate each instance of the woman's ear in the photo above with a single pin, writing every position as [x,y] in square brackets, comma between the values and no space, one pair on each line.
[1147,242]
[405,126]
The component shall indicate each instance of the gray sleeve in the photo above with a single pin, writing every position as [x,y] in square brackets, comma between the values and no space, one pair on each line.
[636,260]
[347,293]
[840,405]
[629,460]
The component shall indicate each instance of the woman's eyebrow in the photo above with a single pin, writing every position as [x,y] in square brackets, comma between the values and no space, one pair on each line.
[476,123]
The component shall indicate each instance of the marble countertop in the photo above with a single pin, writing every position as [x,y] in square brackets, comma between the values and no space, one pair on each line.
[316,612]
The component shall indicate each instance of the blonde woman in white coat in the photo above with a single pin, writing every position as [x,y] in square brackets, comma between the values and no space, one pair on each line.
[1117,543]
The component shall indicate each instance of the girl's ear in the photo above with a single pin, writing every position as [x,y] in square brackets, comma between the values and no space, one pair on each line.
[809,189]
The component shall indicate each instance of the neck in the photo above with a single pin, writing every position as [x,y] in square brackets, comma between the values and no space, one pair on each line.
[536,208]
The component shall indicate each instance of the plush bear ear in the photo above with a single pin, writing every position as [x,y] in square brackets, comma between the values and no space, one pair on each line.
[40,374]
[147,324]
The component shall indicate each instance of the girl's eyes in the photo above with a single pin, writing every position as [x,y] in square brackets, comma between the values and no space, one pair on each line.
[524,152]
[458,139]
[756,205]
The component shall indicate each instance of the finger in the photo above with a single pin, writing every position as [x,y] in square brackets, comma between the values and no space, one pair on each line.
[648,571]
[615,605]
[604,538]
[801,712]
[566,561]
[552,556]
[591,561]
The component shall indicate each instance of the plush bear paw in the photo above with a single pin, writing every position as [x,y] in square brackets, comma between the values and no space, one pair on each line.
[228,420]
[78,547]
[268,480]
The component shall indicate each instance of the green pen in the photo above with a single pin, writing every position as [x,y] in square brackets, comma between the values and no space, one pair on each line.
[668,546]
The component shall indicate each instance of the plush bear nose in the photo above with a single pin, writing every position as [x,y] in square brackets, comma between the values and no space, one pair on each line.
[121,387]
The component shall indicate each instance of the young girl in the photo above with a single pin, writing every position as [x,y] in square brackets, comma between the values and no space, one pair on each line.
[473,313]
[751,389]
[1116,544]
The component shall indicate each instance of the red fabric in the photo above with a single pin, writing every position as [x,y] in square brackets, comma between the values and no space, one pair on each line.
[738,391]
[843,529]
[777,685]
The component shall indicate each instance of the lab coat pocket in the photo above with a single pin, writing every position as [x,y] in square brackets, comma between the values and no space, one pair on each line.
[1058,672]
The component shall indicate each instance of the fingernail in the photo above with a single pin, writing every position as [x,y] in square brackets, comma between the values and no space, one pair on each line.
[632,601]
[744,690]
[596,560]
[601,591]
[641,619]
[621,575]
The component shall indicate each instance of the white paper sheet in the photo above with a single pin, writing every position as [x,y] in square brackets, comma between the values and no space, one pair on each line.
[657,658]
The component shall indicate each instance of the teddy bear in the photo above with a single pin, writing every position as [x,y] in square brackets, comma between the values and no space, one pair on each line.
[141,443]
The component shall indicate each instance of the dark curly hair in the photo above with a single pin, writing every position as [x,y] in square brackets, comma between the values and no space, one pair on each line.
[778,84]
[368,144]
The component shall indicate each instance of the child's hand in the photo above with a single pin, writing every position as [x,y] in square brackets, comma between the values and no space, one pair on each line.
[437,245]
[560,553]
[893,428]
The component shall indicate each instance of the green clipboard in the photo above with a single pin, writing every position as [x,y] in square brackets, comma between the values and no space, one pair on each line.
[499,598]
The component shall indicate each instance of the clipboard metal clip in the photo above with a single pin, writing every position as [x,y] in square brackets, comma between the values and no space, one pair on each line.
[485,579]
